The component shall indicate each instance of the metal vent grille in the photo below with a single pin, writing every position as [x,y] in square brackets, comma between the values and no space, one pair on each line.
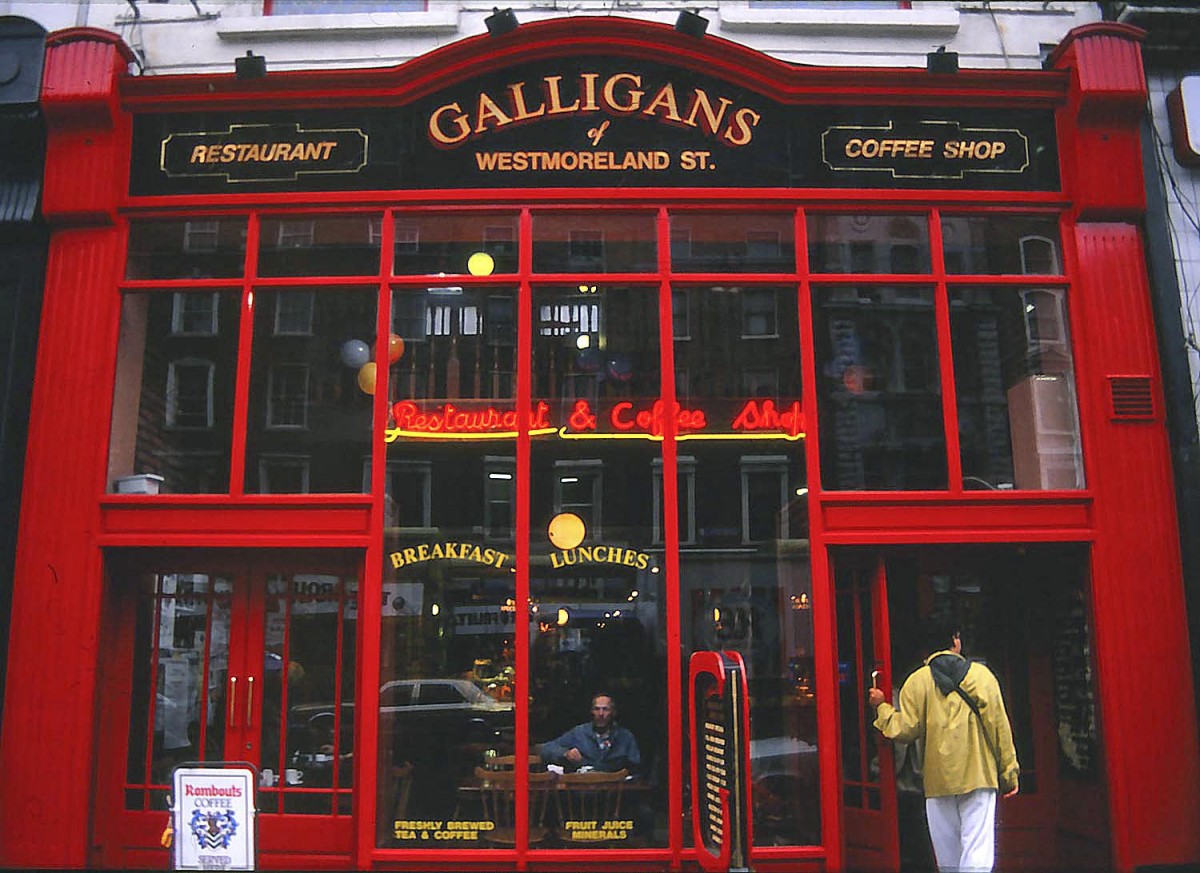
[1132,399]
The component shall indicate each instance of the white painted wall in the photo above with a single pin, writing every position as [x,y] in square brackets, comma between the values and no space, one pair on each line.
[181,37]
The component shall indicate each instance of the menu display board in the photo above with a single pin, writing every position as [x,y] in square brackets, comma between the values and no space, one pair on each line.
[720,760]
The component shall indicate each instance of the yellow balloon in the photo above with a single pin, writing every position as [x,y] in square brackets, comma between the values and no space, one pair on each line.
[366,377]
[481,264]
[566,530]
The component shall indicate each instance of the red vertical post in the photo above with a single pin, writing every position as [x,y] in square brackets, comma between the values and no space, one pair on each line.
[1148,716]
[46,752]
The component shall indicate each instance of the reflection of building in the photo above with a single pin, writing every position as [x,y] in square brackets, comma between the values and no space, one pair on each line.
[504,411]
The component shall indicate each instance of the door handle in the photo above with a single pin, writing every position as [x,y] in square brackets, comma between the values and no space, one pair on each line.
[249,701]
[233,701]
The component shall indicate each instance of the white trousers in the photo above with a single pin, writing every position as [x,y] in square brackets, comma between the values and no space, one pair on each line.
[963,830]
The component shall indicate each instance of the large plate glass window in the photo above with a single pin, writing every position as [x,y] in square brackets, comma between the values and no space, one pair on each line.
[447,670]
[172,424]
[879,388]
[312,377]
[1017,413]
[744,560]
[598,623]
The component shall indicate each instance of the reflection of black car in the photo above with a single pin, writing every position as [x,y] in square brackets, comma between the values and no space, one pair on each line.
[441,712]
[424,716]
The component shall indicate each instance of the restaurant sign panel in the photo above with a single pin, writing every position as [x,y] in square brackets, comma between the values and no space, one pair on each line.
[595,121]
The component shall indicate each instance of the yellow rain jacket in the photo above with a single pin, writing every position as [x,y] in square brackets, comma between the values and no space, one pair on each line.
[957,758]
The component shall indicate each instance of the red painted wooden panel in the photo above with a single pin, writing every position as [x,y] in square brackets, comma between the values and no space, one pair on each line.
[902,518]
[1144,674]
[1101,144]
[88,150]
[235,523]
[45,753]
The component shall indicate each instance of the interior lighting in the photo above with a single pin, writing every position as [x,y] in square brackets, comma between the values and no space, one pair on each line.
[801,491]
[583,341]
[563,617]
[481,264]
[499,475]
[435,609]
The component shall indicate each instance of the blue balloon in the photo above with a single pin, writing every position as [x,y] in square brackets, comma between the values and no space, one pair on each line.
[355,353]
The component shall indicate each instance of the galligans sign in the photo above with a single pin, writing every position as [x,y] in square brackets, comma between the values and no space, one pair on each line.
[598,119]
[621,94]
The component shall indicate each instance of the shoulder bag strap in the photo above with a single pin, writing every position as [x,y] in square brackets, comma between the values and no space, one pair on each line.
[982,727]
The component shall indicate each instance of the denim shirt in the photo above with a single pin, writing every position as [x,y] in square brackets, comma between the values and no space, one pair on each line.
[622,752]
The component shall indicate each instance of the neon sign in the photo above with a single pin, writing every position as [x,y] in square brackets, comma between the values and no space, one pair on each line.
[449,421]
[758,418]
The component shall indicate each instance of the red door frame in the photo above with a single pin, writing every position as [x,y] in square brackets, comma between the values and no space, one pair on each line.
[870,836]
[283,840]
[1099,89]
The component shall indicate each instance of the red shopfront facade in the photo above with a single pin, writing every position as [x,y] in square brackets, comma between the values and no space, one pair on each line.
[662,347]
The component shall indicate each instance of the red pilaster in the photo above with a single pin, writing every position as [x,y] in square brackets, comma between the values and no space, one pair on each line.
[1148,719]
[46,744]
[1101,145]
[87,161]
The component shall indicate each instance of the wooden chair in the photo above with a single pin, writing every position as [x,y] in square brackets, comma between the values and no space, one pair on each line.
[497,795]
[590,797]
[402,782]
[509,762]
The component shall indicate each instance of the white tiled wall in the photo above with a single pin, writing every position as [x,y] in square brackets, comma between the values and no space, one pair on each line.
[1182,186]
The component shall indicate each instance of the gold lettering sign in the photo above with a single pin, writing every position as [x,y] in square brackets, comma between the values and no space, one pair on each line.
[263,152]
[621,94]
[924,149]
[448,551]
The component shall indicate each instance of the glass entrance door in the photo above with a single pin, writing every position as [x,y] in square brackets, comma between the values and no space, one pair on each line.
[247,660]
[868,785]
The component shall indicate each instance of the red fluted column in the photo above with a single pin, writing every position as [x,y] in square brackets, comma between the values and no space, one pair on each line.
[1148,718]
[47,740]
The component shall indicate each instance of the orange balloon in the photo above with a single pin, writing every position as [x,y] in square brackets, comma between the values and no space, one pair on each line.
[395,348]
[366,378]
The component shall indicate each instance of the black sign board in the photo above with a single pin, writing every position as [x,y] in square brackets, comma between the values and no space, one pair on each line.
[273,152]
[595,121]
[720,760]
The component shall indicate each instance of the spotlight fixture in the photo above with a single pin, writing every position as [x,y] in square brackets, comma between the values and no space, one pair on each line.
[500,22]
[252,66]
[691,24]
[941,61]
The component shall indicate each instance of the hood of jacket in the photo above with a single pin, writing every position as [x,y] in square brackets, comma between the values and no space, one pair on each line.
[948,670]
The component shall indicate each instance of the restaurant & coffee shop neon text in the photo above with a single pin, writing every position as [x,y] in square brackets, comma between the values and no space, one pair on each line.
[758,418]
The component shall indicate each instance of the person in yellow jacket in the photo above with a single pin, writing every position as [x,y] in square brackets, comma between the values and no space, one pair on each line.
[969,751]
